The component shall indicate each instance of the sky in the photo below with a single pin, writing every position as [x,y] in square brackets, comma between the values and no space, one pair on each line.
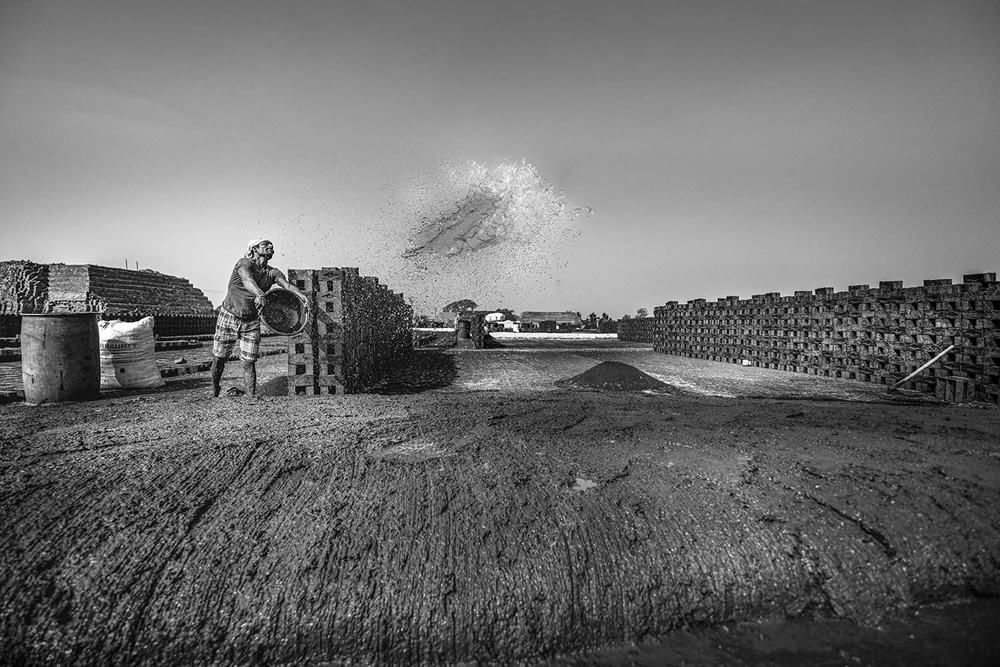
[706,148]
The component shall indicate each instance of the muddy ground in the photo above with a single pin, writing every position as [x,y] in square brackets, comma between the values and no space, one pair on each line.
[472,510]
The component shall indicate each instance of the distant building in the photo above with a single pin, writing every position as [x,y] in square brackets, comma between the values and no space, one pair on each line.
[540,320]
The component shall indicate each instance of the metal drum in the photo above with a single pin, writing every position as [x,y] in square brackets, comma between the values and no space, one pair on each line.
[60,357]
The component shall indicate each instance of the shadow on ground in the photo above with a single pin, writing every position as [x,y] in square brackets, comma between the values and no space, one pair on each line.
[275,387]
[422,371]
[434,340]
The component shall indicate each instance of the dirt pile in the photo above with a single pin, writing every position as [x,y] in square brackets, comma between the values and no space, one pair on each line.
[613,376]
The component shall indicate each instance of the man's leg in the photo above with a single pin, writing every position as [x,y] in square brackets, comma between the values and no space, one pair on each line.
[226,334]
[249,351]
[218,365]
[250,377]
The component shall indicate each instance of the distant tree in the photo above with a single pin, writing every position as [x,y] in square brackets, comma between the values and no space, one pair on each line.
[641,312]
[626,316]
[592,321]
[421,321]
[460,306]
[604,317]
[508,314]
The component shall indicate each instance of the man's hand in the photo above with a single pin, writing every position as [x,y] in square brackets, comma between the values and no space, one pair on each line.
[259,301]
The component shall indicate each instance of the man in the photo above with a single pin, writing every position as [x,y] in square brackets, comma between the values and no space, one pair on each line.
[239,318]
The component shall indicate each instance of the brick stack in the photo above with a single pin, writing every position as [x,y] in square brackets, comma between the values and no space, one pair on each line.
[607,326]
[24,287]
[180,309]
[359,329]
[477,330]
[170,325]
[122,292]
[470,330]
[871,334]
[638,330]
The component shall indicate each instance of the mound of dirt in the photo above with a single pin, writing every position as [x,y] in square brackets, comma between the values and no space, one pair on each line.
[614,376]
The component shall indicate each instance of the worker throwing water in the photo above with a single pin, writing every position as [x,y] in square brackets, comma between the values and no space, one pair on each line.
[239,315]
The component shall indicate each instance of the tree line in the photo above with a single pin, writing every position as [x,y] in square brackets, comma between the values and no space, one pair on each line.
[591,321]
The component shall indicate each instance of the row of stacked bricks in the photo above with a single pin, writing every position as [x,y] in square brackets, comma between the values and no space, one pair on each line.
[638,329]
[875,335]
[123,292]
[117,291]
[358,330]
[24,287]
[169,325]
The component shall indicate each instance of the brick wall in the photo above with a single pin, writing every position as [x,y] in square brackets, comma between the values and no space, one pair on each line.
[874,335]
[359,329]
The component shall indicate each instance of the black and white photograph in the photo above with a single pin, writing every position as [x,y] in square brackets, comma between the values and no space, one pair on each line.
[547,333]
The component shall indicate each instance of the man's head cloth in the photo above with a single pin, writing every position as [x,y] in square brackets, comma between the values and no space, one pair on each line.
[253,243]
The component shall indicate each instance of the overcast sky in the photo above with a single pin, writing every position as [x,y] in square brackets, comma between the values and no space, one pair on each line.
[724,147]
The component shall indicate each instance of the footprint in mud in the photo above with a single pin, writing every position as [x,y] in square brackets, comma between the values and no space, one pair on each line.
[411,451]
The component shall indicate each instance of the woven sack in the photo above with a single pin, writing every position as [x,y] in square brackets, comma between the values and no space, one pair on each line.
[128,355]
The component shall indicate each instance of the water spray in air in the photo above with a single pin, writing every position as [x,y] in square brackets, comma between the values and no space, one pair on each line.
[489,232]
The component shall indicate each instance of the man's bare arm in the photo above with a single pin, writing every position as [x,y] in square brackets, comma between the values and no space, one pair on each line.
[251,285]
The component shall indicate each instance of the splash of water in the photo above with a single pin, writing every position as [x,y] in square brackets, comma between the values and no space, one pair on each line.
[490,232]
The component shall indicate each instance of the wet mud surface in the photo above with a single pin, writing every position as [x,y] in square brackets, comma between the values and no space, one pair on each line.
[472,510]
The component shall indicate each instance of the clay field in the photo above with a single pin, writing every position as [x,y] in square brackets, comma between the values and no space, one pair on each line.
[477,508]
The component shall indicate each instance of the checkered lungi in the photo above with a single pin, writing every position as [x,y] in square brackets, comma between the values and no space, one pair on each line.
[229,329]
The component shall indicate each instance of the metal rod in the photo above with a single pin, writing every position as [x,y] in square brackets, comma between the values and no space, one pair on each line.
[941,354]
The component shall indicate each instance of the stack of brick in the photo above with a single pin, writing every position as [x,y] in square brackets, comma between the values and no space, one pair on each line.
[609,326]
[180,309]
[123,292]
[638,330]
[358,331]
[168,325]
[874,335]
[470,330]
[24,287]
